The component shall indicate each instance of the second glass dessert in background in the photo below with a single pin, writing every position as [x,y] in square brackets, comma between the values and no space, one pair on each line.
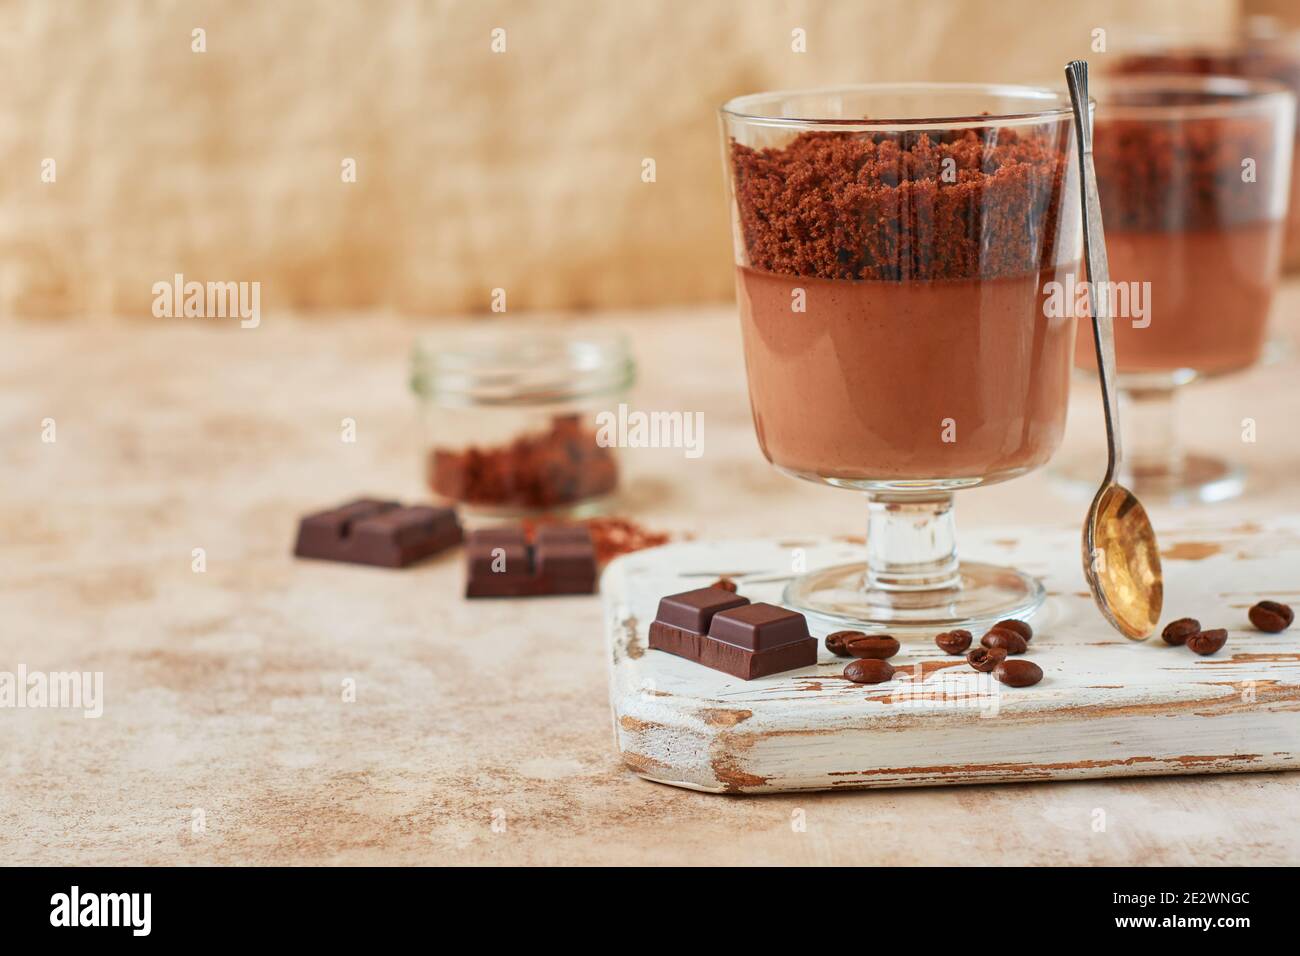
[1193,175]
[893,277]
[1261,49]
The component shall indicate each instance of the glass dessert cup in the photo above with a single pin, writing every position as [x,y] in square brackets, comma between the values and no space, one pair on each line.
[893,278]
[1261,48]
[1194,177]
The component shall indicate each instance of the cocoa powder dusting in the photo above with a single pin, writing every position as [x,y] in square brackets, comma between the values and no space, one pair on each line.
[548,469]
[914,205]
[613,536]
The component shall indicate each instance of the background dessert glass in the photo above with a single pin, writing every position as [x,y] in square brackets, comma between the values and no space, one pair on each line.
[892,278]
[1194,176]
[1261,49]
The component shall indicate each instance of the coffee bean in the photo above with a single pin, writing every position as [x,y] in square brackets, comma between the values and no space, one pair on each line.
[869,671]
[1021,673]
[1020,627]
[1271,616]
[875,646]
[984,659]
[1177,632]
[953,642]
[726,584]
[1009,641]
[836,639]
[1207,642]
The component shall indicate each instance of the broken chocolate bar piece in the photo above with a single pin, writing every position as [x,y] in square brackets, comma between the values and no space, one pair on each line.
[382,533]
[721,630]
[501,563]
[693,610]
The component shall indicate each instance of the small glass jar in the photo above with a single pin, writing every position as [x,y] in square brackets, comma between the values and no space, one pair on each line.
[510,418]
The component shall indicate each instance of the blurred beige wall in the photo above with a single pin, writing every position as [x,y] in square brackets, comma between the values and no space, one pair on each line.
[475,170]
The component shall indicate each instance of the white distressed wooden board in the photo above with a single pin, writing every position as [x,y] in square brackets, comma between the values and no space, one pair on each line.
[1106,707]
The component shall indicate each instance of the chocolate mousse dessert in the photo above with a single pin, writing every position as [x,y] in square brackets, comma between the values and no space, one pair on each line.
[892,299]
[1253,55]
[1192,207]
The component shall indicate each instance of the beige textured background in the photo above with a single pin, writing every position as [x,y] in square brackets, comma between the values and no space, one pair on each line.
[476,170]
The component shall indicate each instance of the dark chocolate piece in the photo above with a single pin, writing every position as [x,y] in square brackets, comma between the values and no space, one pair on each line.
[382,533]
[565,553]
[693,610]
[549,533]
[500,555]
[759,627]
[716,628]
[507,534]
[501,563]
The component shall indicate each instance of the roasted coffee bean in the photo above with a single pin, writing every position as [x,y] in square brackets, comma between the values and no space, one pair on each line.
[1271,616]
[954,642]
[836,639]
[1177,632]
[1207,642]
[875,646]
[984,659]
[1020,627]
[1019,673]
[726,584]
[1009,641]
[869,671]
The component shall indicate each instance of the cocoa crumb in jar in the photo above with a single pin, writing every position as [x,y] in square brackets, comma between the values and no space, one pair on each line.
[559,466]
[924,204]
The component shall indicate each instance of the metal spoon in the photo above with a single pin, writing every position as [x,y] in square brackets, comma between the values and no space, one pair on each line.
[1120,558]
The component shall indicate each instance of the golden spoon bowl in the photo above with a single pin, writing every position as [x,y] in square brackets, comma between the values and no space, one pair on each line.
[1122,562]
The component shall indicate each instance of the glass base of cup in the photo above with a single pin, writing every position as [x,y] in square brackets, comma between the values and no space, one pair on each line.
[1192,479]
[988,593]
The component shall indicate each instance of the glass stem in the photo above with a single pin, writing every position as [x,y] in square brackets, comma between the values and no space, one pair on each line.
[1151,445]
[911,543]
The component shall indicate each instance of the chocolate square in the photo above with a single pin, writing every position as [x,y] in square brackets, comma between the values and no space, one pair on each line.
[325,528]
[723,631]
[759,627]
[381,533]
[555,533]
[561,554]
[498,559]
[503,535]
[406,526]
[693,610]
[561,561]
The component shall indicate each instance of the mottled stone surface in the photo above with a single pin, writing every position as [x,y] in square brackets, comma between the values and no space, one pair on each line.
[223,689]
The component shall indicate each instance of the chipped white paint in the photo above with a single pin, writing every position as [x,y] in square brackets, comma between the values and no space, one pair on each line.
[1106,706]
